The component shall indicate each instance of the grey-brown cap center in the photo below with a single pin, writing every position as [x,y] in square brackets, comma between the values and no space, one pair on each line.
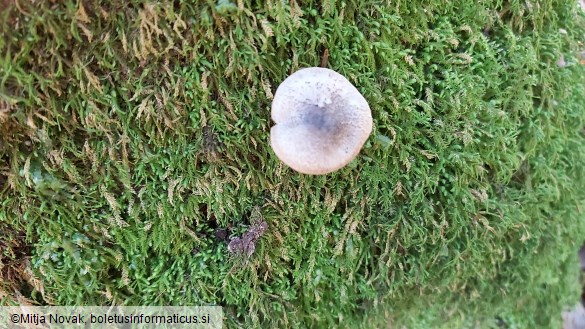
[319,118]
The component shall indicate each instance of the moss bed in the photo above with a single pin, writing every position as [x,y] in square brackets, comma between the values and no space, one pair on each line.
[134,142]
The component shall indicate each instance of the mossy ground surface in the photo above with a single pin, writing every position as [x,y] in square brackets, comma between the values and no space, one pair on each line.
[134,134]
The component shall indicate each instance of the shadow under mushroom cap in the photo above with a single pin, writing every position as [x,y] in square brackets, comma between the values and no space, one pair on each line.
[322,121]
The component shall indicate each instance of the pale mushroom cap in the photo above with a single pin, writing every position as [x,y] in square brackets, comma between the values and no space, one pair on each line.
[322,121]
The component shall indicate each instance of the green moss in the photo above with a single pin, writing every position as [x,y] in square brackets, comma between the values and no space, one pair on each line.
[132,133]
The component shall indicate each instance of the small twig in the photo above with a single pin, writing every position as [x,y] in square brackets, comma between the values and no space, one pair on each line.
[325,57]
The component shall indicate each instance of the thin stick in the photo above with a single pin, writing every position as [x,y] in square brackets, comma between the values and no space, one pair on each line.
[325,57]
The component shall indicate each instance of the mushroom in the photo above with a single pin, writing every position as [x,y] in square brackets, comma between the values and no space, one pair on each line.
[322,121]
